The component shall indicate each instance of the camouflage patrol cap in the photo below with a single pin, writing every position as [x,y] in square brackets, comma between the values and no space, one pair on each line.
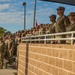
[71,14]
[61,8]
[53,15]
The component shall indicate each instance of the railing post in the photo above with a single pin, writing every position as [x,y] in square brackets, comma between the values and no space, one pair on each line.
[30,39]
[71,38]
[45,40]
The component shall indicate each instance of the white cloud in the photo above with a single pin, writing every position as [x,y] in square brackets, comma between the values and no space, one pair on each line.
[15,18]
[18,17]
[4,6]
[11,17]
[45,11]
[45,4]
[32,2]
[5,0]
[43,15]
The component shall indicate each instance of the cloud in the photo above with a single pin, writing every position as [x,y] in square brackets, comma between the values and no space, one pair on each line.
[15,15]
[4,6]
[43,15]
[16,18]
[9,18]
[45,12]
[46,5]
[10,13]
[32,2]
[4,0]
[10,7]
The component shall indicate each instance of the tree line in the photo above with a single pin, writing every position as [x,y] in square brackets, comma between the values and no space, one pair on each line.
[2,30]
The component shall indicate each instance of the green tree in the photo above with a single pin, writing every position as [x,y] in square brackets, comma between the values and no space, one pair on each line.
[8,32]
[2,30]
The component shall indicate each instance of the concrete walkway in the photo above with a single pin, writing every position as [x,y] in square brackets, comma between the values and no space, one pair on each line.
[7,71]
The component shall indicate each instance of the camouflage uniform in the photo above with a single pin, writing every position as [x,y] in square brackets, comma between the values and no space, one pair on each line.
[47,31]
[6,49]
[41,31]
[71,27]
[52,29]
[17,52]
[1,53]
[61,24]
[11,47]
[36,32]
[16,44]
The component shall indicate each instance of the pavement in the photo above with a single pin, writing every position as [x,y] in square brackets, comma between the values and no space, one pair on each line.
[10,70]
[7,71]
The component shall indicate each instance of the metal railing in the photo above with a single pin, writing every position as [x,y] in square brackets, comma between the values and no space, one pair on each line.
[45,38]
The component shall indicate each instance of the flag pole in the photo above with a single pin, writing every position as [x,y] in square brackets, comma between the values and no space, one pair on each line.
[34,14]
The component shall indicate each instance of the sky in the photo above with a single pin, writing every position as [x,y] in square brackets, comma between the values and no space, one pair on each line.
[12,13]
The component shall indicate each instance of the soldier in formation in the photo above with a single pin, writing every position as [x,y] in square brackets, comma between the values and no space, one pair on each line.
[61,23]
[9,43]
[8,48]
[1,52]
[71,26]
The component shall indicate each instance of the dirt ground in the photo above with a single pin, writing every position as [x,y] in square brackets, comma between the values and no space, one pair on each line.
[7,71]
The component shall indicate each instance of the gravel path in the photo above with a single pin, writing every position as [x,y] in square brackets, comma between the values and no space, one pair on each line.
[7,71]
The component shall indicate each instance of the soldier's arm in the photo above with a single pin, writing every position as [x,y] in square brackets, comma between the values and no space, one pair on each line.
[66,21]
[2,48]
[73,28]
[13,44]
[52,30]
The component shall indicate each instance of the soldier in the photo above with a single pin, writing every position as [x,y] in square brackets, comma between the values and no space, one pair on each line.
[53,21]
[36,31]
[30,33]
[41,30]
[71,26]
[6,47]
[11,47]
[52,28]
[47,30]
[1,52]
[61,24]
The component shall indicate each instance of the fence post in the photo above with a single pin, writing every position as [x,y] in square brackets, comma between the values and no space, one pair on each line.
[26,58]
[30,39]
[45,40]
[71,38]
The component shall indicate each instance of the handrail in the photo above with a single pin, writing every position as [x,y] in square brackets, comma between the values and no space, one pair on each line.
[44,37]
